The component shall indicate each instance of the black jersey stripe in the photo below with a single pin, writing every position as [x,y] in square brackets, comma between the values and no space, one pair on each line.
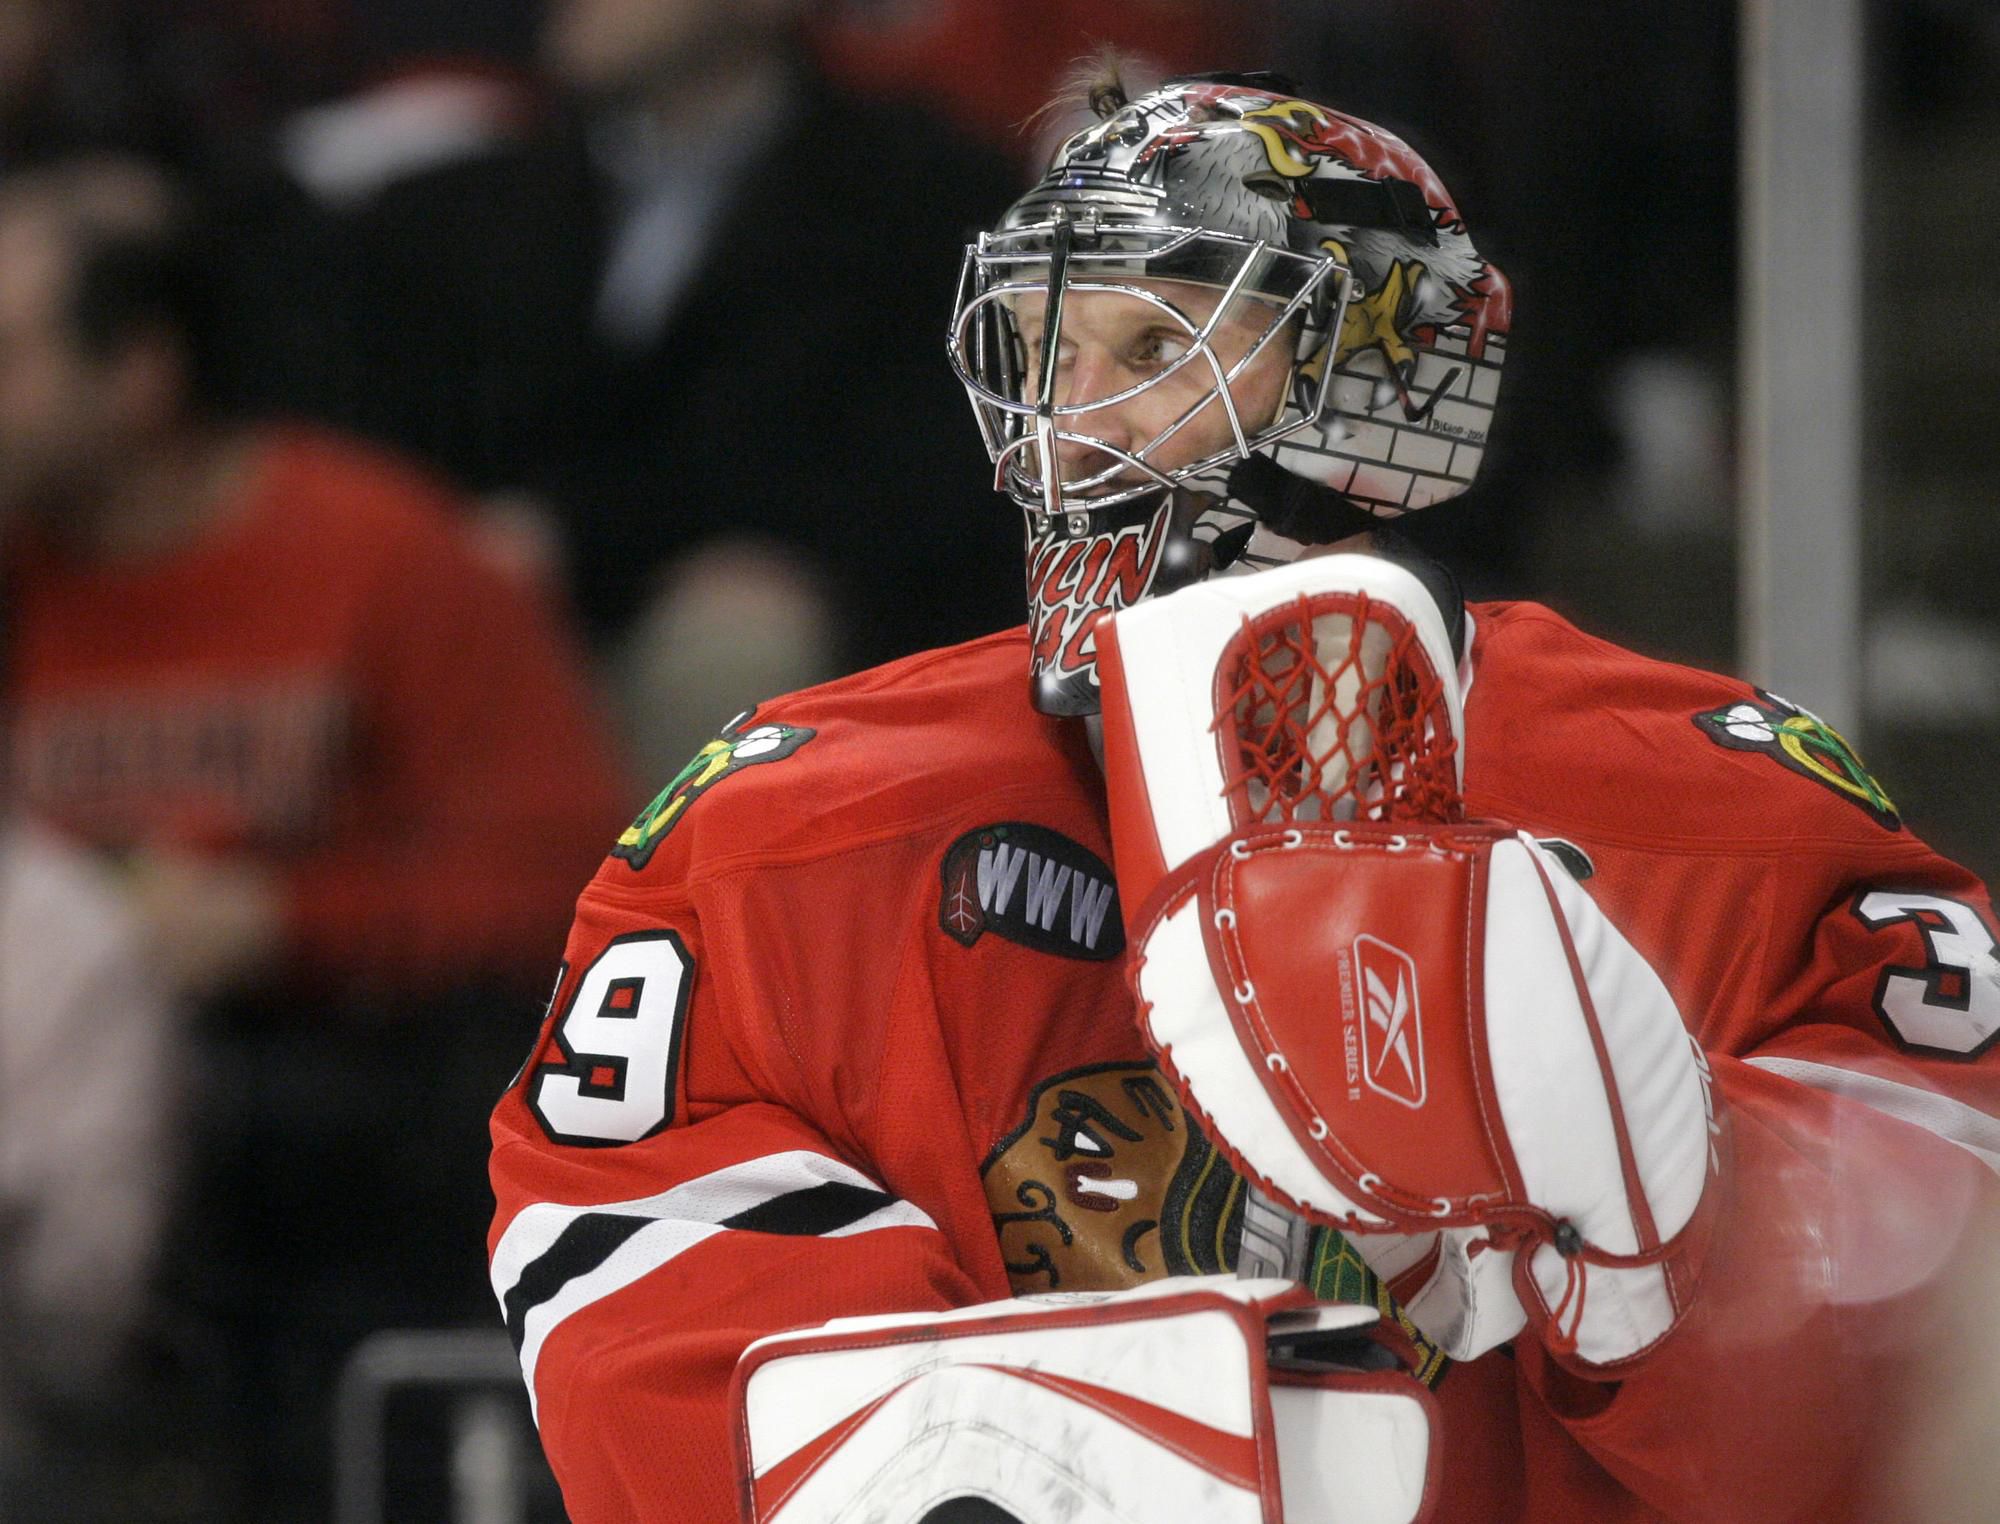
[594,1237]
[579,1249]
[810,1213]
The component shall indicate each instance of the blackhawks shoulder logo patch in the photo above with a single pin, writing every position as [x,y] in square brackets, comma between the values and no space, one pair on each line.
[740,745]
[1805,744]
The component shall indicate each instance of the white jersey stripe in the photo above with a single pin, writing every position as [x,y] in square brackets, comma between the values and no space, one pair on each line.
[640,1255]
[652,1230]
[711,1198]
[1954,1121]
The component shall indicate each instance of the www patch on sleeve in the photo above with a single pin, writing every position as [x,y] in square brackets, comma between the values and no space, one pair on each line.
[1033,886]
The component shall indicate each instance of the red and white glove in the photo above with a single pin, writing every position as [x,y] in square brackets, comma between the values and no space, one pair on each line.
[1229,1401]
[1395,1026]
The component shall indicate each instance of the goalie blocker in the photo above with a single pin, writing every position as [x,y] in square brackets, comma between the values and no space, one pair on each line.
[1397,1023]
[1229,1401]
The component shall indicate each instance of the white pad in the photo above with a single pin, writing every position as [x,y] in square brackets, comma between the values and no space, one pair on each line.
[1124,1408]
[1559,1113]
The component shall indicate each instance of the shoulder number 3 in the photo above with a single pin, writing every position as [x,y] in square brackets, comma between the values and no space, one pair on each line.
[619,1041]
[1950,1006]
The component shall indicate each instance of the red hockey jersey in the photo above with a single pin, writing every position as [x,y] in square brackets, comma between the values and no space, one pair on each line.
[853,1036]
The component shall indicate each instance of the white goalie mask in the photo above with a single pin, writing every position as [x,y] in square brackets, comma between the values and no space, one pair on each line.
[1329,354]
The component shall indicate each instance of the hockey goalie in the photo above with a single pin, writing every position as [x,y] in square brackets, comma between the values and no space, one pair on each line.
[1316,1051]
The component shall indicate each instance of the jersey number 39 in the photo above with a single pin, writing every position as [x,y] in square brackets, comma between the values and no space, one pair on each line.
[619,1039]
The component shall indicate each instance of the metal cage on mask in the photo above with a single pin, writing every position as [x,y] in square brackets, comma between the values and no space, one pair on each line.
[1129,528]
[1068,255]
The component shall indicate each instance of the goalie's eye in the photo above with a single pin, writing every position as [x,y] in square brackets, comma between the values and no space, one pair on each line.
[1157,349]
[1081,1127]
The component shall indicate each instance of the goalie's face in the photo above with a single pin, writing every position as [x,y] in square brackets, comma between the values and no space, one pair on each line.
[1151,373]
[1144,383]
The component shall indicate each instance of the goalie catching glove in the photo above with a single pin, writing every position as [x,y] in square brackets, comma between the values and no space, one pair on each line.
[1394,1021]
[1228,1401]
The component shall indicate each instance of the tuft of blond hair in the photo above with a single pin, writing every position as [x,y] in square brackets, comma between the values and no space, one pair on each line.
[1095,86]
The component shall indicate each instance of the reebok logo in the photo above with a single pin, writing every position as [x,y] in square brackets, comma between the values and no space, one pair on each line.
[1392,1037]
[1030,885]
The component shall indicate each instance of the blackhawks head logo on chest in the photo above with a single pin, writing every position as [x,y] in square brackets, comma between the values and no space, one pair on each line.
[1108,1181]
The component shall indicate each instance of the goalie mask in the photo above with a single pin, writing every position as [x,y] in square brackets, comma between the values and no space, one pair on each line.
[1229,323]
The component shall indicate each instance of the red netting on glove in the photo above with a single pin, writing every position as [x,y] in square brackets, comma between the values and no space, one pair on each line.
[1329,709]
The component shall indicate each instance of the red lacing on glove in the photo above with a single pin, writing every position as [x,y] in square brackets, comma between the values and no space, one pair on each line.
[1524,1231]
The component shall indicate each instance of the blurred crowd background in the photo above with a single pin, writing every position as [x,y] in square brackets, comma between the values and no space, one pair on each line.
[424,422]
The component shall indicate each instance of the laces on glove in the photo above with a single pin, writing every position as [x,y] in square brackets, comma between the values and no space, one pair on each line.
[1524,1231]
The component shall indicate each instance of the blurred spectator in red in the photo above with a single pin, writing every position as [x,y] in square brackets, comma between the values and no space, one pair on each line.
[652,316]
[351,778]
[925,48]
[265,666]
